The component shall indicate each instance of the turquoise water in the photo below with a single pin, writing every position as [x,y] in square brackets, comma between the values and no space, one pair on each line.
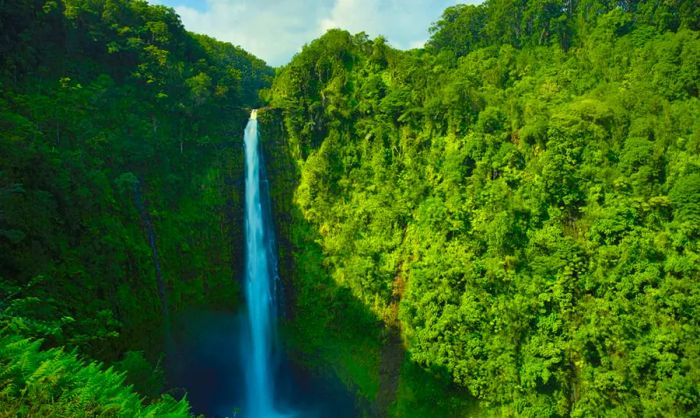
[260,284]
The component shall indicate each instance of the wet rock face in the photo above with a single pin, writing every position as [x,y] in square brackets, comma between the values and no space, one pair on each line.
[283,175]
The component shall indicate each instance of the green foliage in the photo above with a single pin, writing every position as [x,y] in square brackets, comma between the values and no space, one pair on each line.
[54,383]
[141,374]
[120,135]
[466,28]
[520,199]
[685,196]
[426,394]
[325,327]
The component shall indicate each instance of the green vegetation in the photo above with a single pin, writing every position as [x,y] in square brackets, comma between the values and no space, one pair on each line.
[502,223]
[120,207]
[54,383]
[520,199]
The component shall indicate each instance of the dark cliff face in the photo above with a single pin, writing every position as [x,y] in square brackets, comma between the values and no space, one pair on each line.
[326,329]
[322,322]
[283,175]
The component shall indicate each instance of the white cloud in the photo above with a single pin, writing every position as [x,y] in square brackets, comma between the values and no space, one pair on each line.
[417,44]
[404,23]
[274,30]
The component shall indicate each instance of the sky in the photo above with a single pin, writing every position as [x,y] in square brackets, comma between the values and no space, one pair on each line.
[275,30]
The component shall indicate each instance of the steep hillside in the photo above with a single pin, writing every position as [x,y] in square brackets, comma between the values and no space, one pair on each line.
[120,178]
[519,200]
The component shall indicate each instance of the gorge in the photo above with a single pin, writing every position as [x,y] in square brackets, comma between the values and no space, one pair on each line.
[503,222]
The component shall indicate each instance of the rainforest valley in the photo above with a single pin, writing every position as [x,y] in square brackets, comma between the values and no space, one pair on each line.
[502,223]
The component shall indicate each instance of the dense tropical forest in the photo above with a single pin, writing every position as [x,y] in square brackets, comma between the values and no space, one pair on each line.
[502,223]
[119,198]
[520,201]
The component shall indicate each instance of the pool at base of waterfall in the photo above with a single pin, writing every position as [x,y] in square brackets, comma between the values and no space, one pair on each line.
[204,362]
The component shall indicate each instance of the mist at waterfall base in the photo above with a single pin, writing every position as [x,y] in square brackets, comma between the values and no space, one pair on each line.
[207,365]
[232,365]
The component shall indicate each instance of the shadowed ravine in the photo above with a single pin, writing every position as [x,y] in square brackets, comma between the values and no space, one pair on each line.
[235,365]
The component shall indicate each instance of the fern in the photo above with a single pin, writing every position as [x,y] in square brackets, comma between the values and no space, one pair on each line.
[55,383]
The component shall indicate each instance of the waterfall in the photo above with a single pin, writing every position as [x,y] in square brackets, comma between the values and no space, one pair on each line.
[151,235]
[260,282]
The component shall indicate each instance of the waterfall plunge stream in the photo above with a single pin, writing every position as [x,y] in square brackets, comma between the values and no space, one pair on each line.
[260,282]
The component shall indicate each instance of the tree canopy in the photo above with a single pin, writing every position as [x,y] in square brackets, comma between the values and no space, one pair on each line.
[119,203]
[519,198]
